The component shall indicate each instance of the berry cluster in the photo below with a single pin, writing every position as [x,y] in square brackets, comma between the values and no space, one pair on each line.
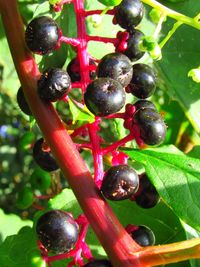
[104,84]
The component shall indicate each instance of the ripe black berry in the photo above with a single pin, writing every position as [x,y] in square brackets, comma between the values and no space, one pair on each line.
[133,51]
[104,96]
[143,236]
[116,66]
[57,231]
[120,182]
[42,158]
[73,70]
[53,84]
[129,13]
[42,35]
[98,263]
[141,104]
[147,196]
[143,82]
[151,125]
[23,105]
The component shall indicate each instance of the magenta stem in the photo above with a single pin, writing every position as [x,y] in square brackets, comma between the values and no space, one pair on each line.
[98,12]
[117,144]
[96,152]
[116,116]
[102,39]
[71,41]
[82,48]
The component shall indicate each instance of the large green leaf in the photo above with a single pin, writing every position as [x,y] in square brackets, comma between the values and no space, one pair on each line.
[177,179]
[182,53]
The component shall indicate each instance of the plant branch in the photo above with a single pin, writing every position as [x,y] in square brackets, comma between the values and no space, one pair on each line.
[173,14]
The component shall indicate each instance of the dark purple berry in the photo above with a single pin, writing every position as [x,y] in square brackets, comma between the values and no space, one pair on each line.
[98,263]
[143,235]
[23,105]
[129,13]
[143,82]
[142,104]
[53,84]
[57,231]
[133,51]
[151,125]
[73,70]
[147,196]
[120,182]
[104,96]
[42,35]
[42,158]
[116,66]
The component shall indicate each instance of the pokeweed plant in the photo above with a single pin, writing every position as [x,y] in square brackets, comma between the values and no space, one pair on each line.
[110,87]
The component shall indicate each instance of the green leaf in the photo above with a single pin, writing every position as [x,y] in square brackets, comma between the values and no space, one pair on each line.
[79,114]
[181,54]
[11,219]
[177,179]
[21,250]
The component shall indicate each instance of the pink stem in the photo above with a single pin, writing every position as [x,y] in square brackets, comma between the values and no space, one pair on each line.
[71,41]
[111,40]
[96,151]
[98,12]
[117,144]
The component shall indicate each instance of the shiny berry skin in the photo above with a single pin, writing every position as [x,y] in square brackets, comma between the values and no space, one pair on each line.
[57,231]
[22,103]
[143,82]
[143,235]
[98,263]
[104,96]
[151,125]
[73,69]
[120,182]
[117,67]
[133,51]
[53,84]
[147,196]
[129,13]
[42,158]
[42,35]
[142,104]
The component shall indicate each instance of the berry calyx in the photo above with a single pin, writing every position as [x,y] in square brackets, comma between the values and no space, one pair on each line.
[73,69]
[151,125]
[57,231]
[120,182]
[43,158]
[22,103]
[53,84]
[133,51]
[129,13]
[143,82]
[40,179]
[98,263]
[42,35]
[25,198]
[147,196]
[104,96]
[143,235]
[116,66]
